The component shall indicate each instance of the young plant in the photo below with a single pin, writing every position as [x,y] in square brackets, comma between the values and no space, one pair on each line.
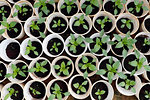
[34,91]
[57,24]
[17,70]
[80,21]
[89,8]
[39,67]
[118,4]
[63,68]
[1,72]
[55,46]
[42,3]
[80,87]
[11,92]
[69,5]
[147,95]
[57,93]
[30,48]
[87,65]
[100,93]
[3,12]
[126,23]
[146,42]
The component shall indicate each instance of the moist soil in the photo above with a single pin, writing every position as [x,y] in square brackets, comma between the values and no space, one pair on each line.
[142,92]
[2,71]
[13,50]
[73,11]
[104,46]
[58,29]
[38,86]
[36,33]
[51,43]
[80,80]
[6,8]
[12,33]
[38,49]
[62,86]
[107,27]
[59,63]
[29,13]
[109,7]
[132,5]
[147,24]
[140,44]
[125,29]
[40,74]
[16,0]
[80,29]
[18,88]
[100,86]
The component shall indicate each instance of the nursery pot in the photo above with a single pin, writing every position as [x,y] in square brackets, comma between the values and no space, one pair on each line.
[145,24]
[146,75]
[3,71]
[12,1]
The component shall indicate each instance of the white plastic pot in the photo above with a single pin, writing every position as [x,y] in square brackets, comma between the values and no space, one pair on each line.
[12,1]
[143,28]
[145,75]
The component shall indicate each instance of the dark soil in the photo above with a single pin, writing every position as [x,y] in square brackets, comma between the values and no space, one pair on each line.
[6,8]
[16,0]
[147,24]
[2,71]
[142,92]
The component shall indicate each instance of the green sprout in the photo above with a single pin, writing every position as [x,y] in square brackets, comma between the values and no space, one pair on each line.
[55,46]
[126,23]
[147,95]
[3,12]
[1,72]
[146,42]
[11,92]
[57,24]
[34,91]
[100,93]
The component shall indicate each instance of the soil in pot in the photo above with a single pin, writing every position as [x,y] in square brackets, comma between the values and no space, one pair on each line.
[107,27]
[59,63]
[49,7]
[109,7]
[148,74]
[7,9]
[51,43]
[60,28]
[2,71]
[38,86]
[147,24]
[38,49]
[62,86]
[40,74]
[100,86]
[125,29]
[36,33]
[19,95]
[23,17]
[16,0]
[132,5]
[142,92]
[80,80]
[12,33]
[13,50]
[73,11]
[140,44]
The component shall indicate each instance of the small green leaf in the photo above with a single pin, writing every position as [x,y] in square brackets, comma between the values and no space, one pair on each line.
[88,10]
[122,84]
[76,85]
[101,72]
[84,59]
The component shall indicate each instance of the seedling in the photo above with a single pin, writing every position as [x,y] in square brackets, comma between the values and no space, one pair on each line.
[17,70]
[126,23]
[89,8]
[103,21]
[118,4]
[139,5]
[63,68]
[80,87]
[1,72]
[30,48]
[34,91]
[11,92]
[147,95]
[146,42]
[87,65]
[69,5]
[55,46]
[100,93]
[57,93]
[57,24]
[44,8]
[3,12]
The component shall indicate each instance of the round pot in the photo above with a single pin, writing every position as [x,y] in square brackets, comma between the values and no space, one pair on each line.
[33,75]
[49,85]
[26,91]
[144,4]
[109,15]
[54,63]
[115,60]
[87,18]
[95,35]
[46,41]
[145,75]
[110,90]
[80,58]
[5,65]
[143,27]
[79,96]
[3,47]
[27,26]
[50,19]
[67,50]
[132,18]
[10,70]
[23,46]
